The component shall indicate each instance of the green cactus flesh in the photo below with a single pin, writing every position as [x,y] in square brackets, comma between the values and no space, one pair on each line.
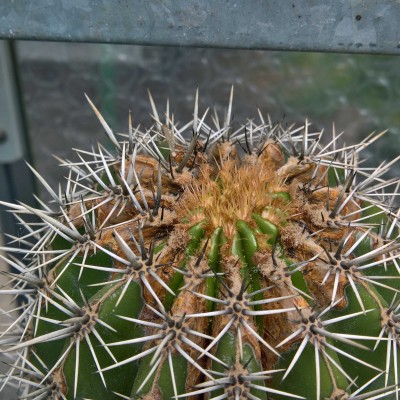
[253,263]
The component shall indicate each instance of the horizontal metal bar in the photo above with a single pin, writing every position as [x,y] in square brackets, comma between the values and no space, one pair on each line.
[356,26]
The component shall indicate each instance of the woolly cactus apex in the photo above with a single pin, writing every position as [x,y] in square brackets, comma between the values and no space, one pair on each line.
[208,261]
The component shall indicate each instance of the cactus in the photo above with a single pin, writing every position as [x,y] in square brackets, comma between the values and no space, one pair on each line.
[204,261]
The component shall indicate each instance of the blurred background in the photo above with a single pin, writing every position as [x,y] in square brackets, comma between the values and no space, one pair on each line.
[360,93]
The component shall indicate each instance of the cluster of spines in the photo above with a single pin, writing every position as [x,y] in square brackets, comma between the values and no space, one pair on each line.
[112,179]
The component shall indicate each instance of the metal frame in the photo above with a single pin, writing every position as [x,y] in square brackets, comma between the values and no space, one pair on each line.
[16,181]
[11,133]
[356,26]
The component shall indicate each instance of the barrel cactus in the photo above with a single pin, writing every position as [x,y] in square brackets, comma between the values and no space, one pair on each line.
[208,261]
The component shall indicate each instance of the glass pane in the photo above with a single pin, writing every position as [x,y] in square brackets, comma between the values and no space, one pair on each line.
[358,92]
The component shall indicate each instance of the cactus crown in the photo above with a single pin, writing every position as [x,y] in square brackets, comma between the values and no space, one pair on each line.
[256,263]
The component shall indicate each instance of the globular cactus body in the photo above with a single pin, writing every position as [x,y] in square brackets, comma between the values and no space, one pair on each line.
[256,263]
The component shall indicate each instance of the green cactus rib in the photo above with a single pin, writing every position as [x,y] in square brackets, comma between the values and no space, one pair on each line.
[250,262]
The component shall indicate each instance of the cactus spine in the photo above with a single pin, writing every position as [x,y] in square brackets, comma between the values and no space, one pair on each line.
[248,263]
